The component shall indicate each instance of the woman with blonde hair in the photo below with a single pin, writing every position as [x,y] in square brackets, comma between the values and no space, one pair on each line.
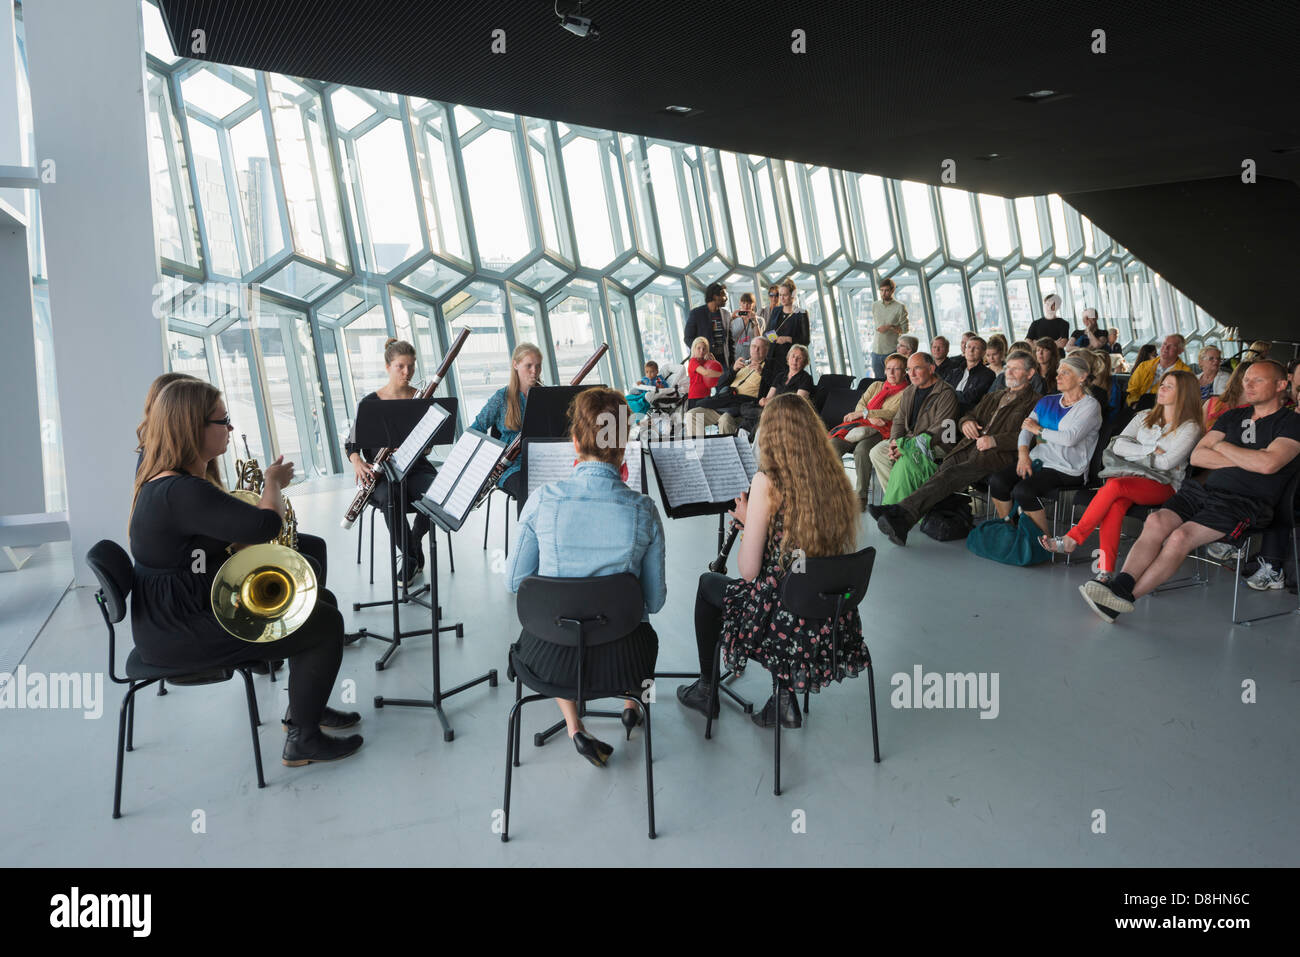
[995,355]
[504,410]
[182,526]
[787,325]
[399,363]
[703,371]
[800,505]
[1159,443]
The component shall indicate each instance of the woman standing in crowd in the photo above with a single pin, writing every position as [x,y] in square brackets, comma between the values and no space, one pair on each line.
[787,325]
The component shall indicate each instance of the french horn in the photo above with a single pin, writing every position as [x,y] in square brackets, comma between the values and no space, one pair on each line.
[264,592]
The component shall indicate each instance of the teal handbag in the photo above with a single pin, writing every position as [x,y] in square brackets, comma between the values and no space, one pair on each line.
[1009,544]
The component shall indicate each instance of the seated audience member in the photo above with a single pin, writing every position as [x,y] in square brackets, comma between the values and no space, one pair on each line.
[972,379]
[1049,357]
[874,414]
[652,377]
[555,539]
[1101,385]
[990,433]
[927,407]
[1233,396]
[943,361]
[1146,376]
[1112,342]
[796,378]
[1055,445]
[1251,454]
[704,371]
[1159,441]
[907,345]
[751,379]
[1089,337]
[1213,378]
[1035,381]
[800,504]
[1257,350]
[995,356]
[1145,353]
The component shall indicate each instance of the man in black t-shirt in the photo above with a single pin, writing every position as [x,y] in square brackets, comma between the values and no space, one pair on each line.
[1050,326]
[1253,452]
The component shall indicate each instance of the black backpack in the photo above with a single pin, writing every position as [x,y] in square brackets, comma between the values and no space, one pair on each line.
[949,520]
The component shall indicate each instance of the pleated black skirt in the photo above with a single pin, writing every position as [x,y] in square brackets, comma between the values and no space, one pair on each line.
[613,668]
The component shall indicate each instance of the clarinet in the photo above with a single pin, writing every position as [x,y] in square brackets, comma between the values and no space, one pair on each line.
[367,486]
[514,448]
[719,564]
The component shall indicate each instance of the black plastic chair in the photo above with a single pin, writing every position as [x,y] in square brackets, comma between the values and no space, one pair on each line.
[1284,520]
[1091,483]
[112,566]
[864,384]
[831,380]
[576,613]
[837,403]
[825,590]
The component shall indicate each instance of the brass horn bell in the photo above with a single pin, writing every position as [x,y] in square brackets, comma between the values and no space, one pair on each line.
[264,592]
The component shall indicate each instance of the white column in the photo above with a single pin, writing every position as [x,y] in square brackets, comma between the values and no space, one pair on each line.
[86,64]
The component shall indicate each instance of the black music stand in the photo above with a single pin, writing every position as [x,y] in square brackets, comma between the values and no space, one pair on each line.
[387,424]
[448,520]
[546,414]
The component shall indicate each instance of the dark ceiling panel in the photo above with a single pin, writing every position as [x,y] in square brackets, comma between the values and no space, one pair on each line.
[1184,91]
[1229,245]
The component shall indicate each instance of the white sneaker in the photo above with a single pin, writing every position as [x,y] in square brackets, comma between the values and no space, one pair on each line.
[1266,578]
[1220,551]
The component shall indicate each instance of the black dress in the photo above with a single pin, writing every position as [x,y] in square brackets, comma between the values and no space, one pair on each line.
[795,325]
[180,529]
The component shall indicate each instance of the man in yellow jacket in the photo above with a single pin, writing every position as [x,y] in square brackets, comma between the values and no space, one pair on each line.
[1146,377]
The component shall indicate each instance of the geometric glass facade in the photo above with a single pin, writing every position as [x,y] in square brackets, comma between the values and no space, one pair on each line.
[301,224]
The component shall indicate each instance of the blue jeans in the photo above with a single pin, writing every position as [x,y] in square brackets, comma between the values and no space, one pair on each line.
[878,365]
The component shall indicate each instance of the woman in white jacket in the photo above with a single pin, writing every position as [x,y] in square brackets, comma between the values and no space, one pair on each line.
[1159,442]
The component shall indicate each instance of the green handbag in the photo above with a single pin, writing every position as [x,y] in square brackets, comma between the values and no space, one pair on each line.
[913,469]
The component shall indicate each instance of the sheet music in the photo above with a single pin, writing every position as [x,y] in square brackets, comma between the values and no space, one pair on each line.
[419,437]
[471,480]
[632,459]
[548,462]
[460,455]
[722,470]
[747,457]
[678,467]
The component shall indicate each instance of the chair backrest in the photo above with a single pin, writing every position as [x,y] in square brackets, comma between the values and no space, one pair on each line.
[837,404]
[608,606]
[112,566]
[1107,432]
[864,384]
[813,592]
[831,380]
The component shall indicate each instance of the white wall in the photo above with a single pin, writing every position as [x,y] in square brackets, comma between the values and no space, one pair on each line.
[86,66]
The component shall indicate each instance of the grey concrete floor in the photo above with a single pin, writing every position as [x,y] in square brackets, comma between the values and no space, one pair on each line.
[1143,720]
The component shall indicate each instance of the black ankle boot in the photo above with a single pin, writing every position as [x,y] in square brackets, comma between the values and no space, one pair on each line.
[698,696]
[319,747]
[791,717]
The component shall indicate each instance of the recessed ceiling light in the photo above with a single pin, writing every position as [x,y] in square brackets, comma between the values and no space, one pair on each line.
[677,109]
[1042,96]
[989,156]
[1039,94]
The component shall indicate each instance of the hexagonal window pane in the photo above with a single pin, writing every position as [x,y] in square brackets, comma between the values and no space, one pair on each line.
[808,298]
[855,298]
[528,328]
[824,215]
[950,313]
[638,179]
[292,395]
[622,333]
[492,179]
[998,241]
[1083,290]
[867,193]
[1060,229]
[737,206]
[959,222]
[483,365]
[156,42]
[300,280]
[203,304]
[437,177]
[173,207]
[433,278]
[677,191]
[541,275]
[918,220]
[1031,239]
[836,268]
[305,168]
[349,109]
[263,237]
[222,254]
[777,270]
[594,200]
[545,171]
[345,305]
[186,354]
[575,314]
[634,271]
[216,90]
[416,322]
[364,339]
[1114,301]
[661,314]
[1021,303]
[985,292]
[386,197]
[712,270]
[907,290]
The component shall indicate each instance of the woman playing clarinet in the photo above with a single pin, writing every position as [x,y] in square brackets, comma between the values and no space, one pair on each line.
[399,363]
[504,411]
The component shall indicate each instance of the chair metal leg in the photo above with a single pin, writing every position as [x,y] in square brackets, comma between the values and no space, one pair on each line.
[252,723]
[130,724]
[512,757]
[270,670]
[506,536]
[649,772]
[162,688]
[519,692]
[121,747]
[372,545]
[776,753]
[871,687]
[1236,586]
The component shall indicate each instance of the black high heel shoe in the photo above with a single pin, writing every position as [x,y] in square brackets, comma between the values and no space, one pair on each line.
[632,718]
[594,750]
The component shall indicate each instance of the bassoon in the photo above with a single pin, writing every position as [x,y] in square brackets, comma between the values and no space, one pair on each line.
[367,485]
[512,450]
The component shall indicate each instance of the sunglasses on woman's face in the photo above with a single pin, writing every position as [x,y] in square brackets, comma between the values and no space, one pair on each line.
[223,422]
